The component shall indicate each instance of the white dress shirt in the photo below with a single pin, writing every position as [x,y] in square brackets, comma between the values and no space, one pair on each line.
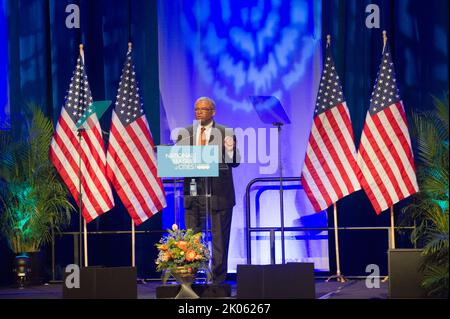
[208,129]
[207,133]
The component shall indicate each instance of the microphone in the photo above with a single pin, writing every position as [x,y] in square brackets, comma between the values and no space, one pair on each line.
[183,139]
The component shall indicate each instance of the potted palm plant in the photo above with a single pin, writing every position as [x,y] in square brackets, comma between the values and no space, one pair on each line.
[33,200]
[430,205]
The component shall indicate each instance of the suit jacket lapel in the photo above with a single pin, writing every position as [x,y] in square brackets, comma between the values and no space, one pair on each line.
[211,136]
[194,134]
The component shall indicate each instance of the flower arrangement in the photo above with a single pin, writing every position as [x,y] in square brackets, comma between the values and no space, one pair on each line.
[181,249]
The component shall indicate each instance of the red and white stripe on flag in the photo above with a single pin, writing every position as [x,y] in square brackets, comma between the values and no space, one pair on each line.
[385,156]
[329,172]
[386,161]
[131,160]
[66,151]
[132,169]
[330,169]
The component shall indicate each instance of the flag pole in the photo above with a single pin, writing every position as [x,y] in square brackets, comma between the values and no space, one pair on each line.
[338,276]
[80,204]
[391,230]
[391,237]
[85,245]
[133,230]
[133,245]
[84,220]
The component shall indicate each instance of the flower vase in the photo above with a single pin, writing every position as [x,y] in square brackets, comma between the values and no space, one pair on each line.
[185,277]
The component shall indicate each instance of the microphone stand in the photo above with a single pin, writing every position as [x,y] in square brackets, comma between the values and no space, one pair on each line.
[279,125]
[207,208]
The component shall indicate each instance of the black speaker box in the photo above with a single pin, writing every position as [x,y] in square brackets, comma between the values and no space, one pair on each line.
[104,283]
[404,276]
[288,281]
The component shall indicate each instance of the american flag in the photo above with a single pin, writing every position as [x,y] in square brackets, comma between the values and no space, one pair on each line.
[385,157]
[131,161]
[330,169]
[65,149]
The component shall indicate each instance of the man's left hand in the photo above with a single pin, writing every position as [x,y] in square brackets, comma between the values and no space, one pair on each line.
[229,143]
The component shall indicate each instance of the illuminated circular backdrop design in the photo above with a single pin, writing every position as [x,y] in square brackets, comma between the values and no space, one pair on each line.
[242,48]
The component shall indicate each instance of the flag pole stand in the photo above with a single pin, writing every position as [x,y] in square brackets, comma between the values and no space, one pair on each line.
[391,237]
[338,276]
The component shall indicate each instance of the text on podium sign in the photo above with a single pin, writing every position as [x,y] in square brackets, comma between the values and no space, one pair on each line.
[188,161]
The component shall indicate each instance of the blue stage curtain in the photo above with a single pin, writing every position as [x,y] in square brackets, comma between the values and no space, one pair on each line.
[4,103]
[417,33]
[42,57]
[43,52]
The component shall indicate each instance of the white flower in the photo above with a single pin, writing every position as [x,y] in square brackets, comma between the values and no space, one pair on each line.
[174,227]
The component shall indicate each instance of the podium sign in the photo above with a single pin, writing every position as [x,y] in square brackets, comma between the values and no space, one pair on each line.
[188,161]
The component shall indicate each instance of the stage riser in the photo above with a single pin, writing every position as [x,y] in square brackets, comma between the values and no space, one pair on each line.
[289,281]
[404,276]
[104,283]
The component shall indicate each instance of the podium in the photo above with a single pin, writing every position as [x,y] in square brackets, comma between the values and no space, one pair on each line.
[194,162]
[199,164]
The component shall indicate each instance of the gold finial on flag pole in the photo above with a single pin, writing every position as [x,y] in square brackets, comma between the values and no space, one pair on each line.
[384,39]
[130,45]
[82,52]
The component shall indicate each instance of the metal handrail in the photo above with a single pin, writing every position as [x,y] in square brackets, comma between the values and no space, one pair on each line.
[247,205]
[272,230]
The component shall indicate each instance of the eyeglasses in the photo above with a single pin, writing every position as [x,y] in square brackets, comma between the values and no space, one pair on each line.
[203,109]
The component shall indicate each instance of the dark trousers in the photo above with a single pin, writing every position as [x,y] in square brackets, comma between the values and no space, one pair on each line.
[195,218]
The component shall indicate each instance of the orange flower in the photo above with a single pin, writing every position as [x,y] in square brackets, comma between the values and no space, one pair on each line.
[190,255]
[182,245]
[163,247]
[198,257]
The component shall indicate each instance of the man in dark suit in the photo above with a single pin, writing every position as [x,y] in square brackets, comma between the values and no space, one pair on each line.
[208,132]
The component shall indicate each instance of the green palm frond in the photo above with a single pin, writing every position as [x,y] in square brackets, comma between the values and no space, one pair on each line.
[34,201]
[430,206]
[441,118]
[436,280]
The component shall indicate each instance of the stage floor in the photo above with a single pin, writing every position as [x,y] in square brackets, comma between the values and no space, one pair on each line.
[353,289]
